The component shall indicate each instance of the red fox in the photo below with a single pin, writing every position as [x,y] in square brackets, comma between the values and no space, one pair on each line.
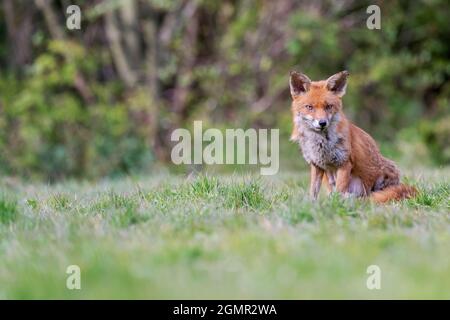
[340,154]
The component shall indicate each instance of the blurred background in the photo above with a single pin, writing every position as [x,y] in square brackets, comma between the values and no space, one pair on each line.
[102,101]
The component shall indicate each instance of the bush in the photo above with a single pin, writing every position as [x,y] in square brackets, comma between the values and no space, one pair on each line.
[49,132]
[436,136]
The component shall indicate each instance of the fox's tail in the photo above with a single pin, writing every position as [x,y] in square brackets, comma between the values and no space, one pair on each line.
[397,192]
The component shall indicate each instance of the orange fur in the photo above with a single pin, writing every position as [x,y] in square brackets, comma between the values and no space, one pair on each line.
[363,162]
[397,192]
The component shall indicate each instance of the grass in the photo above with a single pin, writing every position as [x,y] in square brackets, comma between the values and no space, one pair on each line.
[221,237]
[8,210]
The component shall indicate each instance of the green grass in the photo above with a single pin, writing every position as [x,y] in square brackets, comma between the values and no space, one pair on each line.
[221,237]
[8,210]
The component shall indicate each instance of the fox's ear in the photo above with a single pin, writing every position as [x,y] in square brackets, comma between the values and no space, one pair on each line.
[338,83]
[299,84]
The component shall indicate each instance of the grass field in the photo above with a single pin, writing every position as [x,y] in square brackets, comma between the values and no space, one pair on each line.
[234,237]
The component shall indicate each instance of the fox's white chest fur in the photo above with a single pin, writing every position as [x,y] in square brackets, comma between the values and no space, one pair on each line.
[325,149]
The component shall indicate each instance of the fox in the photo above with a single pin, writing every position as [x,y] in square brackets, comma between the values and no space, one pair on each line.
[342,156]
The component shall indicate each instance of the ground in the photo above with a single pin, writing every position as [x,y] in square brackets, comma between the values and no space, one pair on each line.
[232,236]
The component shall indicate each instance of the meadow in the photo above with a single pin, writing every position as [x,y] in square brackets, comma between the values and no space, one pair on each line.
[221,236]
[87,176]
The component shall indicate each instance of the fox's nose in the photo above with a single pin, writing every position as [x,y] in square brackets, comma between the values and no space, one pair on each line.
[322,123]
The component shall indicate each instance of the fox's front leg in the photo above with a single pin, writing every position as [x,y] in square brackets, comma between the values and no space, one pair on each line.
[329,181]
[316,181]
[343,177]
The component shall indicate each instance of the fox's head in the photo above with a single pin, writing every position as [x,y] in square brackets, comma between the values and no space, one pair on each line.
[317,104]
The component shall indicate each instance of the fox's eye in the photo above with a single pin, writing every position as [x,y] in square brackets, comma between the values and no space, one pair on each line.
[309,107]
[328,107]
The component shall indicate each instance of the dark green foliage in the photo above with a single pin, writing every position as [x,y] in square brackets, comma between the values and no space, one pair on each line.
[86,104]
[48,129]
[436,136]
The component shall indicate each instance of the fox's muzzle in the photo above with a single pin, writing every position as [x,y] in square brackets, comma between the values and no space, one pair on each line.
[320,124]
[323,123]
